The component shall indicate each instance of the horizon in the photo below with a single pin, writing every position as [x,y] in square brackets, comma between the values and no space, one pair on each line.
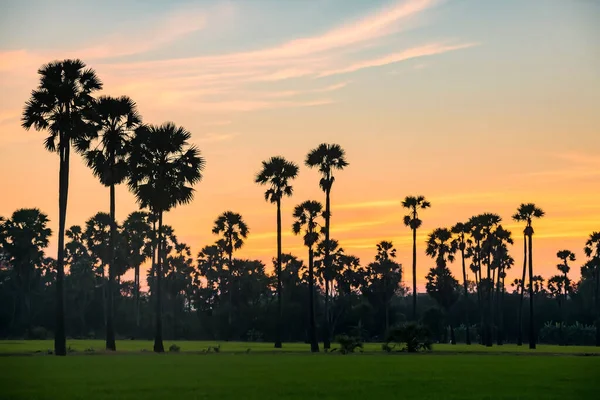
[424,99]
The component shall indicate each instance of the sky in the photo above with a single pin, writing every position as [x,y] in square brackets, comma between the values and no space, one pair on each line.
[478,105]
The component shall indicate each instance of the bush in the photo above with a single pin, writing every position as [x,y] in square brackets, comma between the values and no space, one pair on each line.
[348,343]
[410,337]
[576,334]
[174,348]
[38,332]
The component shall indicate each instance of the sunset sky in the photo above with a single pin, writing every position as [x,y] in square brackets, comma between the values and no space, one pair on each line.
[478,105]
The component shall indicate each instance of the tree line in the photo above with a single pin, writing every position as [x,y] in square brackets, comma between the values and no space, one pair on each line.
[234,298]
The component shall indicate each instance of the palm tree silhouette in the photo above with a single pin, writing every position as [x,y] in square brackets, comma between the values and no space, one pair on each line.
[461,240]
[592,250]
[97,239]
[305,215]
[414,204]
[526,213]
[163,169]
[327,158]
[115,120]
[233,231]
[277,172]
[61,105]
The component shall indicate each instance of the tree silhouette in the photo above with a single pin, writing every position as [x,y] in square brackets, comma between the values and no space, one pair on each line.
[414,204]
[163,169]
[526,213]
[305,215]
[461,240]
[277,173]
[592,251]
[97,239]
[327,158]
[61,105]
[115,120]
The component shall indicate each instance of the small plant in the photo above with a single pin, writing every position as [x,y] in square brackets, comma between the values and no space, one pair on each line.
[71,350]
[174,348]
[349,343]
[411,337]
[89,350]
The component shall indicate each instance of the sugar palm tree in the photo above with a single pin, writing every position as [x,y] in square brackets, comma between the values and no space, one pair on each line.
[115,120]
[414,204]
[592,251]
[233,231]
[327,158]
[565,256]
[526,213]
[276,173]
[305,215]
[61,105]
[461,240]
[163,169]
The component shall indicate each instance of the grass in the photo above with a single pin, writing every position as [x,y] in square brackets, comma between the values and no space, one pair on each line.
[298,376]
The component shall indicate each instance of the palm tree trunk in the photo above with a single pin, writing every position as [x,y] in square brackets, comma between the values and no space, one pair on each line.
[158,342]
[496,314]
[60,340]
[326,342]
[279,305]
[230,313]
[531,320]
[137,298]
[414,275]
[452,337]
[501,316]
[520,324]
[597,290]
[110,330]
[464,271]
[314,344]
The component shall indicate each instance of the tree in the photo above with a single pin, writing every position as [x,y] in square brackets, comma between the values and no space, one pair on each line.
[461,240]
[414,204]
[556,286]
[327,158]
[115,120]
[23,238]
[592,251]
[61,105]
[97,239]
[163,169]
[233,231]
[277,172]
[305,215]
[526,213]
[565,256]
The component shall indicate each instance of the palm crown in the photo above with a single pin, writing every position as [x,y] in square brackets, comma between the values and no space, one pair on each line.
[306,215]
[525,213]
[441,246]
[326,157]
[414,204]
[565,256]
[592,245]
[233,229]
[276,173]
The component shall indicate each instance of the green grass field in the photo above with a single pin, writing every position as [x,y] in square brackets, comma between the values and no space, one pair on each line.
[449,372]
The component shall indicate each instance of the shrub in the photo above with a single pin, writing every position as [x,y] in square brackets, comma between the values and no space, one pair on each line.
[576,334]
[348,343]
[174,348]
[410,337]
[38,332]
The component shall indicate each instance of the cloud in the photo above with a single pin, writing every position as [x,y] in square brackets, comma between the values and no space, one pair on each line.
[215,137]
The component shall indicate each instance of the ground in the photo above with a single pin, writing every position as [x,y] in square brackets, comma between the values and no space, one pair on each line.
[465,372]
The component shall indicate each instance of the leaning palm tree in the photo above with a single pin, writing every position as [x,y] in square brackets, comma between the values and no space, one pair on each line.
[414,204]
[461,241]
[592,251]
[60,105]
[163,169]
[306,215]
[526,213]
[327,158]
[115,120]
[233,231]
[277,172]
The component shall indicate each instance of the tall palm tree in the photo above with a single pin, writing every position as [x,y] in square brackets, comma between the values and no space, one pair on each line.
[461,240]
[526,213]
[305,215]
[61,105]
[592,250]
[163,169]
[414,204]
[277,172]
[327,158]
[115,120]
[233,231]
[565,256]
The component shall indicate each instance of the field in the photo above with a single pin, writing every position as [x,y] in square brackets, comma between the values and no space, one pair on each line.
[465,372]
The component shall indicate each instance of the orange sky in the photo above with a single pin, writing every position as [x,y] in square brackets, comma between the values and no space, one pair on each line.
[476,117]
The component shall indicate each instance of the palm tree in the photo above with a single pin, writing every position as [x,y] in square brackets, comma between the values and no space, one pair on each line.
[306,215]
[277,172]
[163,169]
[461,241]
[115,120]
[592,250]
[233,231]
[60,105]
[97,240]
[327,158]
[414,204]
[526,213]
